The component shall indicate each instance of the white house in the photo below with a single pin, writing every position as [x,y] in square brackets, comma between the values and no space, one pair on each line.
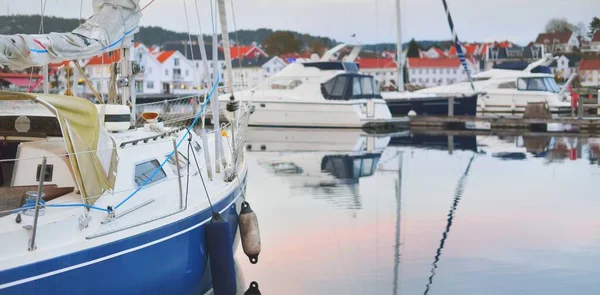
[565,65]
[558,42]
[383,69]
[433,52]
[589,73]
[148,82]
[177,73]
[273,66]
[252,71]
[98,71]
[441,71]
[595,42]
[192,52]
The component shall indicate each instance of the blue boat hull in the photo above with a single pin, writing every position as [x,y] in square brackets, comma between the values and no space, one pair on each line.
[433,106]
[171,259]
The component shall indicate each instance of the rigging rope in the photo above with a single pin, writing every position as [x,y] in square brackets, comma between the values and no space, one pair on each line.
[188,132]
[459,51]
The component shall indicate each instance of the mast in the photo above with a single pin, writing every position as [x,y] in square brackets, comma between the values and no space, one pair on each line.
[400,74]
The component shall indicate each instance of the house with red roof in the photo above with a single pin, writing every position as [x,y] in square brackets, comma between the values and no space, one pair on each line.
[18,81]
[430,72]
[433,52]
[149,81]
[177,73]
[589,73]
[595,42]
[243,52]
[97,70]
[563,42]
[383,69]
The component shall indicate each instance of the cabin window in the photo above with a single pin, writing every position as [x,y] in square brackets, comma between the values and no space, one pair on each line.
[356,90]
[338,88]
[507,85]
[144,171]
[47,173]
[367,86]
[538,84]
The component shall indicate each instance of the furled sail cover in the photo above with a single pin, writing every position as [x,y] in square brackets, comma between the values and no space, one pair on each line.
[112,22]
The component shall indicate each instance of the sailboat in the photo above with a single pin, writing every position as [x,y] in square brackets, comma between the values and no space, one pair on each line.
[402,103]
[92,203]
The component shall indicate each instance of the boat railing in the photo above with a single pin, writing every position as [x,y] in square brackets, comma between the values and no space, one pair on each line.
[31,200]
[179,111]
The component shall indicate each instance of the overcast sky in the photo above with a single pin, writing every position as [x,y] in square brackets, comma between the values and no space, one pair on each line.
[372,20]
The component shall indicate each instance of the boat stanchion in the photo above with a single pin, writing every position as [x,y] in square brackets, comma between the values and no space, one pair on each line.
[249,232]
[218,242]
[253,289]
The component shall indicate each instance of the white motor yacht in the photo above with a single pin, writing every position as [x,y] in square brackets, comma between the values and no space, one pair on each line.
[509,91]
[319,93]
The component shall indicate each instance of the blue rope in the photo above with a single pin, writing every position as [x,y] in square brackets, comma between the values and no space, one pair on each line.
[176,146]
[31,205]
[101,50]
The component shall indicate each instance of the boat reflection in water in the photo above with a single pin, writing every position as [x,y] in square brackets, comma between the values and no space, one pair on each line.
[326,164]
[441,213]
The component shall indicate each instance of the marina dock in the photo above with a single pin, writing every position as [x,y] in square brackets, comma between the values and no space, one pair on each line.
[582,125]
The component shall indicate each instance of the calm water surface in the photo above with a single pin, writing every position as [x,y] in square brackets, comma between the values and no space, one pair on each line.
[343,213]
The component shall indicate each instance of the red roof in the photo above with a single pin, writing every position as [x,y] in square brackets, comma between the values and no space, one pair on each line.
[164,55]
[505,44]
[589,65]
[60,64]
[244,51]
[550,37]
[106,58]
[376,63]
[20,75]
[468,49]
[596,36]
[414,62]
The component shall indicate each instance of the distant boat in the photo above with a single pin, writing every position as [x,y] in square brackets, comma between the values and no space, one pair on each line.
[323,93]
[510,90]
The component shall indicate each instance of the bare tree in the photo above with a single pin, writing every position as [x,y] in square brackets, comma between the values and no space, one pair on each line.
[559,25]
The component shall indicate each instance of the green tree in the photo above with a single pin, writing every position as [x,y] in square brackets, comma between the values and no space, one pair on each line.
[594,25]
[413,49]
[315,46]
[280,42]
[559,25]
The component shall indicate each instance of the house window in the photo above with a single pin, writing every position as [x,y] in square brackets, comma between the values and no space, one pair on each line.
[166,72]
[176,61]
[150,84]
[144,171]
[187,73]
[434,71]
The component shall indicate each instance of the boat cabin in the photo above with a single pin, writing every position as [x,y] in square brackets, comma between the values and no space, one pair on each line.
[67,133]
[349,86]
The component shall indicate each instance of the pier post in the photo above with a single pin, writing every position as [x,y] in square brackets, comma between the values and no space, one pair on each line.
[450,144]
[451,106]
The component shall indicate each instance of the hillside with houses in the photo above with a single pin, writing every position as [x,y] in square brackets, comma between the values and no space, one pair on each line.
[175,67]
